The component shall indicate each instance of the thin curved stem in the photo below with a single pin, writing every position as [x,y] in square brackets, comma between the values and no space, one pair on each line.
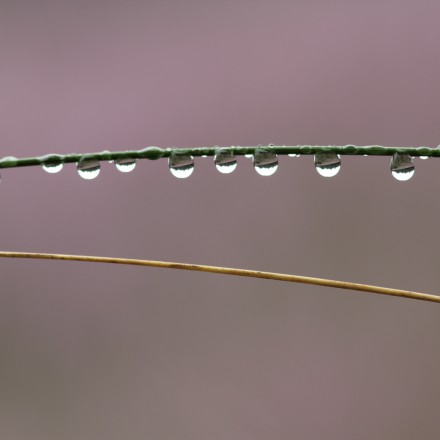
[154,153]
[229,271]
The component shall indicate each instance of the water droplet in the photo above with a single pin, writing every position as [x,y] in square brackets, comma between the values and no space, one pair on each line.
[88,169]
[327,164]
[125,165]
[181,165]
[265,162]
[8,159]
[225,161]
[402,167]
[53,168]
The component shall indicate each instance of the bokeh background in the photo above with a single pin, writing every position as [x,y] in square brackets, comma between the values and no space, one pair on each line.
[102,352]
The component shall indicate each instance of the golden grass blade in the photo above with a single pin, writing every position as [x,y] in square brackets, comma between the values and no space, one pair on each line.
[229,271]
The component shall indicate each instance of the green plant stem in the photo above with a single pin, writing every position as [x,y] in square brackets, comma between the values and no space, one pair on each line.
[229,271]
[154,153]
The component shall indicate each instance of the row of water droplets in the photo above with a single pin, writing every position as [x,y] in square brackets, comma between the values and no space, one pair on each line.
[265,163]
[90,169]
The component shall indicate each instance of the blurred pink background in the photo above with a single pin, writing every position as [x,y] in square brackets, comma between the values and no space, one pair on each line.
[102,352]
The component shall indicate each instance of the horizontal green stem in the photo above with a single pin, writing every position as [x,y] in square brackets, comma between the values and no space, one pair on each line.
[229,271]
[154,153]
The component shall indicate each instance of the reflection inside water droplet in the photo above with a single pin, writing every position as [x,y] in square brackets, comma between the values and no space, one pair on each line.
[293,155]
[88,169]
[181,165]
[265,162]
[53,168]
[327,164]
[225,161]
[125,165]
[402,167]
[424,157]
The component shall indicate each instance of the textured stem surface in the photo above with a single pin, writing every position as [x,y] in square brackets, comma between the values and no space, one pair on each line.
[154,153]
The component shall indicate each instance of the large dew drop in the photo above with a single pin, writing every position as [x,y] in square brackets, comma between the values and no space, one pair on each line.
[88,169]
[225,161]
[265,162]
[181,165]
[125,165]
[402,167]
[327,164]
[53,168]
